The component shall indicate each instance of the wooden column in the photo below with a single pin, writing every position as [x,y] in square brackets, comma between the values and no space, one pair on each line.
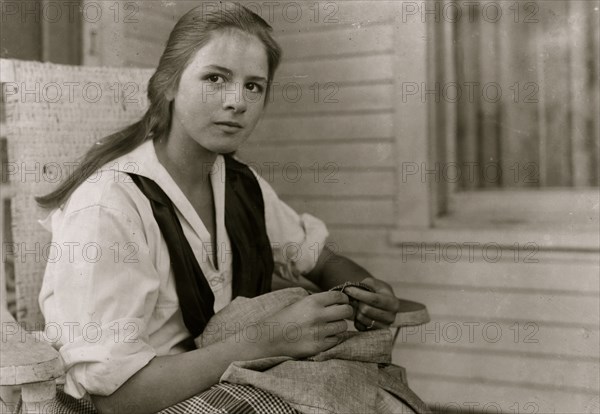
[411,122]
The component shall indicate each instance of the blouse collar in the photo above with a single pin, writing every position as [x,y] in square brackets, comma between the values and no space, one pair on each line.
[144,161]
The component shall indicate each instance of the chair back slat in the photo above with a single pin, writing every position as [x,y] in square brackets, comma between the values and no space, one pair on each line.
[53,114]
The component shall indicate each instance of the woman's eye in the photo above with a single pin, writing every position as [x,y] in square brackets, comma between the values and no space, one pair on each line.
[254,87]
[215,78]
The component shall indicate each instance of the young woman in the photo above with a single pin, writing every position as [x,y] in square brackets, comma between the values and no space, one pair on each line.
[129,324]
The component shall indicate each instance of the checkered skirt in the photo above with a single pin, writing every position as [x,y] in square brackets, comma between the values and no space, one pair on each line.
[222,398]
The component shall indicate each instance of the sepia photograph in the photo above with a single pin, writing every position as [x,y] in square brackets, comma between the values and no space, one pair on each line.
[300,207]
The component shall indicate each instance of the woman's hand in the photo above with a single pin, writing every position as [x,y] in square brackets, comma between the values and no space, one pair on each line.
[309,326]
[375,310]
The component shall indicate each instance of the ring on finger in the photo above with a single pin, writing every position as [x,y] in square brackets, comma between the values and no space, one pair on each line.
[371,325]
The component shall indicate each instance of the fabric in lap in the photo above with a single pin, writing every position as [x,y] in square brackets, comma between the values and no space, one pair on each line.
[355,376]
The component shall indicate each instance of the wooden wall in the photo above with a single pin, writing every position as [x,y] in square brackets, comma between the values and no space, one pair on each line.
[516,333]
[545,358]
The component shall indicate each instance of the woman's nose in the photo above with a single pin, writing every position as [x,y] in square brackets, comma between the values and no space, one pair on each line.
[233,98]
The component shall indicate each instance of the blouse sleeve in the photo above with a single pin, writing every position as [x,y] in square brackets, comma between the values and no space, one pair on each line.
[296,240]
[98,294]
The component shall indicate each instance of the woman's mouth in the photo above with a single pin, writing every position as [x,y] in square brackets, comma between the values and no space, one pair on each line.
[229,126]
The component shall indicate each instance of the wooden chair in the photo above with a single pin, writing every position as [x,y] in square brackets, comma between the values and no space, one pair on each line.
[53,113]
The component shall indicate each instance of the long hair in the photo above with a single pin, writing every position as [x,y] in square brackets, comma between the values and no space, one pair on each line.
[192,32]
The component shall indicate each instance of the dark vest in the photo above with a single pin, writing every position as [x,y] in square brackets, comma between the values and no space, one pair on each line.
[251,250]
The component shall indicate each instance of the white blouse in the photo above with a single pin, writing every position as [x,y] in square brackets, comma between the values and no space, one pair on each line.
[108,295]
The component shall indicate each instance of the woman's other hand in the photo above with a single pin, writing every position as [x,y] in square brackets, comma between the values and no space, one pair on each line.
[374,310]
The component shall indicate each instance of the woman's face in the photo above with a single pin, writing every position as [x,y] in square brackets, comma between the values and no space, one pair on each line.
[221,92]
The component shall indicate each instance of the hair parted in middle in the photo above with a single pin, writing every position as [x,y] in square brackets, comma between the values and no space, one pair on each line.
[193,30]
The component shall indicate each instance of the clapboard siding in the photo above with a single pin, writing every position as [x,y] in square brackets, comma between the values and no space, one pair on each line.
[331,16]
[573,278]
[480,305]
[346,41]
[168,11]
[338,127]
[514,396]
[351,184]
[143,52]
[376,155]
[365,212]
[298,99]
[335,70]
[518,338]
[552,303]
[146,17]
[147,31]
[552,374]
[546,312]
[375,242]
